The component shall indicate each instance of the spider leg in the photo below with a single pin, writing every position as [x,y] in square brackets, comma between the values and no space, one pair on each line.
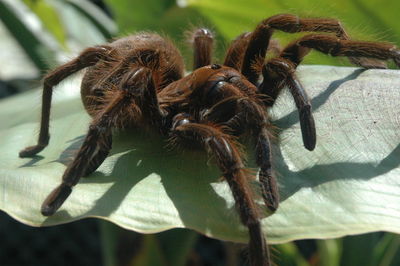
[280,71]
[235,52]
[87,58]
[228,159]
[97,143]
[269,187]
[277,73]
[254,114]
[202,47]
[100,155]
[261,36]
[242,110]
[222,111]
[141,84]
[337,47]
[91,148]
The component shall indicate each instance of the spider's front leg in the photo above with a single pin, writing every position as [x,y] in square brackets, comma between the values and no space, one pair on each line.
[87,58]
[229,160]
[131,102]
[278,73]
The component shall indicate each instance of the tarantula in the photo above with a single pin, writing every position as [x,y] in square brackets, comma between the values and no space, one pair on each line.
[139,81]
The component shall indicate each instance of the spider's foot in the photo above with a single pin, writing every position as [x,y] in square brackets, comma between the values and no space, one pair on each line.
[55,199]
[272,206]
[31,151]
[307,125]
[269,188]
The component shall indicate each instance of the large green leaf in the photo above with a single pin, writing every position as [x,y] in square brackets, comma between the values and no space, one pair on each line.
[349,184]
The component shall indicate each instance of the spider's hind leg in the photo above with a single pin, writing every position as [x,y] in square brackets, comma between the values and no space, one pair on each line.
[337,47]
[260,39]
[87,58]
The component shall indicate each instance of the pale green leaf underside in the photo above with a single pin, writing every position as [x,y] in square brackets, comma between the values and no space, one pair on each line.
[349,184]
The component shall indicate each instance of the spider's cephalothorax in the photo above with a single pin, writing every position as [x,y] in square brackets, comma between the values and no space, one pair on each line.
[138,81]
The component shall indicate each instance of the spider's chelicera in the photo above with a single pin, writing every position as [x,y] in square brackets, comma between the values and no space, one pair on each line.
[139,81]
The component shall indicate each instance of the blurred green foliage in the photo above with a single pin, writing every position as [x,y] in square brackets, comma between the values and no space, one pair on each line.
[364,19]
[228,18]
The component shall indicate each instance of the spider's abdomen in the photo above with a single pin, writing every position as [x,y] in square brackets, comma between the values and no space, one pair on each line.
[126,54]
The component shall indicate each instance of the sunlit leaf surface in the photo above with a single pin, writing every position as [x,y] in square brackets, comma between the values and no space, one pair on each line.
[349,184]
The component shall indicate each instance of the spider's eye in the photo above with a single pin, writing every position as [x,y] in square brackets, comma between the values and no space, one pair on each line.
[215,89]
[180,119]
[215,66]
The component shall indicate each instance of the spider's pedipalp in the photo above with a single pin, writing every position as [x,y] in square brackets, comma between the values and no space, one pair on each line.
[256,117]
[87,58]
[306,118]
[280,72]
[269,187]
[252,113]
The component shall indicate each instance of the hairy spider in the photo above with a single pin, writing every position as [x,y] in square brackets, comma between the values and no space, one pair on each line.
[138,81]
